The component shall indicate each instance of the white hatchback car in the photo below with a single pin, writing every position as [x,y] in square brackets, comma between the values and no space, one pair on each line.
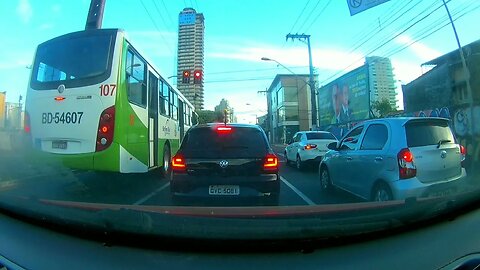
[308,146]
[395,159]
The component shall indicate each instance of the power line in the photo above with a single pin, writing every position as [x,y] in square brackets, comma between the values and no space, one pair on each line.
[299,15]
[160,14]
[384,43]
[155,25]
[309,15]
[169,16]
[319,14]
[426,34]
[251,70]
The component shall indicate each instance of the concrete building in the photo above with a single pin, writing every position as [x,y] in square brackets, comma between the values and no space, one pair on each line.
[191,29]
[382,81]
[442,91]
[289,107]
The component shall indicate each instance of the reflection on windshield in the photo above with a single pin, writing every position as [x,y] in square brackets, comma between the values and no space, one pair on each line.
[385,113]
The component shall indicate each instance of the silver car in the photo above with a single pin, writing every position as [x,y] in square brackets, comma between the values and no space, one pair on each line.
[394,159]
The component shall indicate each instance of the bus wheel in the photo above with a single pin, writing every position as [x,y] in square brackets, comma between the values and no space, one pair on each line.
[166,161]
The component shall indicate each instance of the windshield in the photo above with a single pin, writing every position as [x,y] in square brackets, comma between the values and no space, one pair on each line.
[234,143]
[67,60]
[320,136]
[238,119]
[428,133]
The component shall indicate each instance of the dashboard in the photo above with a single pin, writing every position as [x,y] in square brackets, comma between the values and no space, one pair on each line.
[446,243]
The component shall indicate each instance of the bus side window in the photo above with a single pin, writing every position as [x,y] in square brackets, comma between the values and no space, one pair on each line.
[161,104]
[166,97]
[173,105]
[136,83]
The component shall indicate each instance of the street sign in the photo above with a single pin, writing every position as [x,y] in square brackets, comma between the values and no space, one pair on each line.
[357,6]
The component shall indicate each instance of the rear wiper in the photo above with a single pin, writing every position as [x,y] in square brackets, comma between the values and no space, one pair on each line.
[442,142]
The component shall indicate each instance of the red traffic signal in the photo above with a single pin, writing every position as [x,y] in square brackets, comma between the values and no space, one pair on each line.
[197,76]
[186,76]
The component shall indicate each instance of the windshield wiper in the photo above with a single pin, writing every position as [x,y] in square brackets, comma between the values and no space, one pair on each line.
[442,142]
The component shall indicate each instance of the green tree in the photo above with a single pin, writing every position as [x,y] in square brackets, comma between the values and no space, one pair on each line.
[382,108]
[207,116]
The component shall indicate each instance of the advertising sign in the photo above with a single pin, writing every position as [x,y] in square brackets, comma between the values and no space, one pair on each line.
[346,99]
[2,109]
[357,6]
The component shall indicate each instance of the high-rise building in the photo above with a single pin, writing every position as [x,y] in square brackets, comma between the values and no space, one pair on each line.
[382,82]
[225,106]
[191,30]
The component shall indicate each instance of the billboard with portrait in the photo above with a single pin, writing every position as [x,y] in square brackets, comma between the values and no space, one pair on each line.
[345,99]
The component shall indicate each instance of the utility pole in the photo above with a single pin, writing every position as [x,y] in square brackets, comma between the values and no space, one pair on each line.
[95,14]
[311,82]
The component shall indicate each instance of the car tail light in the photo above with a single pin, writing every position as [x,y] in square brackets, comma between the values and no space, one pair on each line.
[105,130]
[463,152]
[270,163]
[310,146]
[178,163]
[26,123]
[223,129]
[406,165]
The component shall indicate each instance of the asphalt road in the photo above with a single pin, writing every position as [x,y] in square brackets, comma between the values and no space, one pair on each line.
[58,183]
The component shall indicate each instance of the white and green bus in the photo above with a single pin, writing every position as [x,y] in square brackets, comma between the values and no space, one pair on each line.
[96,103]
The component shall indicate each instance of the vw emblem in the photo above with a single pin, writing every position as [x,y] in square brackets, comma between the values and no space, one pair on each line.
[223,163]
[443,154]
[61,88]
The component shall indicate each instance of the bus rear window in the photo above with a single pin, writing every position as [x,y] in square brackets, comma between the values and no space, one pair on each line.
[75,60]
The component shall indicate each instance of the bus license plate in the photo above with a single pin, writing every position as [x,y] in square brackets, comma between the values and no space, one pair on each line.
[224,190]
[59,145]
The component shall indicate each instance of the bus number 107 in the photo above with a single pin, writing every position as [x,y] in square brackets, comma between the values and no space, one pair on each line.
[107,89]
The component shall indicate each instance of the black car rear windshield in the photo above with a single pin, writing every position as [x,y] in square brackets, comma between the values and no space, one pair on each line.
[320,136]
[428,133]
[239,142]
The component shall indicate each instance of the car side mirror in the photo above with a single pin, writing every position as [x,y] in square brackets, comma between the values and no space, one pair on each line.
[290,141]
[332,146]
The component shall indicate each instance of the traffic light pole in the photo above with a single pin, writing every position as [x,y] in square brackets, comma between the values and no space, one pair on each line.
[311,82]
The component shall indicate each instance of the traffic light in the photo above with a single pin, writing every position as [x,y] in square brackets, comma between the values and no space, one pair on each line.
[197,77]
[186,76]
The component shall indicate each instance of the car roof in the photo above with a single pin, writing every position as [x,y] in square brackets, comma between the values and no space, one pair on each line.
[210,125]
[404,120]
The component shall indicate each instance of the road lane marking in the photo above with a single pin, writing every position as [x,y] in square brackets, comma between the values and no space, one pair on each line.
[149,196]
[299,193]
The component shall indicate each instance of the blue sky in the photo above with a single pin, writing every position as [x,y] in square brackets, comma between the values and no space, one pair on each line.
[239,33]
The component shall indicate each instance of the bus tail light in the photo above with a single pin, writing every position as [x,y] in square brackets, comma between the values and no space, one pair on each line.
[105,130]
[26,123]
[406,166]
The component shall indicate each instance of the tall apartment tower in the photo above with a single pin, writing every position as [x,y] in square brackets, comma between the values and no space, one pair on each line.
[382,82]
[191,29]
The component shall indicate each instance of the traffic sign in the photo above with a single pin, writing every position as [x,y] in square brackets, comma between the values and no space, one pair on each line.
[357,6]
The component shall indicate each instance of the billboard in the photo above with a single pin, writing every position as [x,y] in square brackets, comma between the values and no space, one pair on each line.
[345,99]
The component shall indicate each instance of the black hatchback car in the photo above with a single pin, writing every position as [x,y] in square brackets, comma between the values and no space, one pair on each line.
[223,164]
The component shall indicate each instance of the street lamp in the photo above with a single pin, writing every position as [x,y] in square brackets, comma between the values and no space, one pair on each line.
[280,64]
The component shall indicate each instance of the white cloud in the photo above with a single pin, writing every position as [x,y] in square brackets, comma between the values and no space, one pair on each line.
[24,10]
[422,51]
[323,58]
